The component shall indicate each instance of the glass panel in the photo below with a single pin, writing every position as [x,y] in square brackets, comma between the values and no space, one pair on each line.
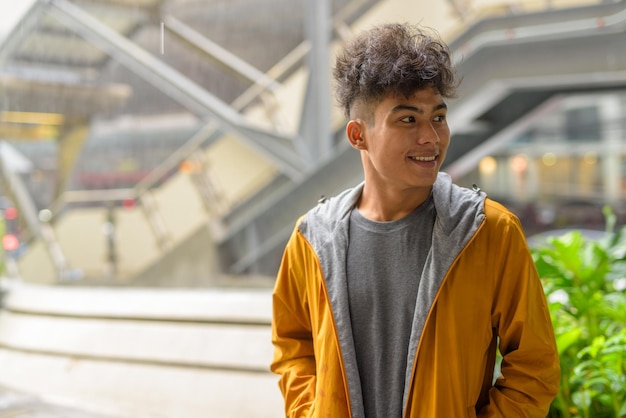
[558,172]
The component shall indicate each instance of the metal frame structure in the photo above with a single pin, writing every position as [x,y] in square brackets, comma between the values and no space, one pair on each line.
[315,161]
[278,148]
[294,156]
[523,87]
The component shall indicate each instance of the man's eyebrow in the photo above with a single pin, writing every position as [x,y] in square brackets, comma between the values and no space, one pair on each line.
[402,107]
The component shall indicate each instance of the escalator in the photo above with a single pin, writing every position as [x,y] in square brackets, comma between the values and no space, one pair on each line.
[514,67]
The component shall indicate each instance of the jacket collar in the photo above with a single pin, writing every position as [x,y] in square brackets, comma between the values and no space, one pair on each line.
[453,204]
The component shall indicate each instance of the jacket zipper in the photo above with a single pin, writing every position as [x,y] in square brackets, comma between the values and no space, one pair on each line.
[413,370]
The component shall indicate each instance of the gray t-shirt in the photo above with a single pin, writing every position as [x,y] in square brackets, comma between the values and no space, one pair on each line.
[384,266]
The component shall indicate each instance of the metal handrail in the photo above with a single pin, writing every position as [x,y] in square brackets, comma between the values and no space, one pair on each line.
[563,29]
[28,211]
[518,7]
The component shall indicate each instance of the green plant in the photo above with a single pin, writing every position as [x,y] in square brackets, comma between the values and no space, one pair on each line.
[585,283]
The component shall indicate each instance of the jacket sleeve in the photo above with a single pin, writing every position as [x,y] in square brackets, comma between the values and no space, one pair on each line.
[530,370]
[294,358]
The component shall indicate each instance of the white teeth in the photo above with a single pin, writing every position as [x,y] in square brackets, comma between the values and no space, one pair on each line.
[423,158]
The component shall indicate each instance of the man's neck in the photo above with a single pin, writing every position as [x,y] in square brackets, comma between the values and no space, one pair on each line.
[386,205]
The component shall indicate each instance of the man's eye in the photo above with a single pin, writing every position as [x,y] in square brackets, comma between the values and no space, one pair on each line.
[408,119]
[440,118]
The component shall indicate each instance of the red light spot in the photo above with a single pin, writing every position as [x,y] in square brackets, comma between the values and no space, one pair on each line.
[10,213]
[187,167]
[10,242]
[128,203]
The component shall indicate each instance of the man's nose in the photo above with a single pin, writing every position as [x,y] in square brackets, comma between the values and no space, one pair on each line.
[427,134]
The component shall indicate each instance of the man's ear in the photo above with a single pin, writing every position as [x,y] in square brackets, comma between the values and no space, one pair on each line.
[355,131]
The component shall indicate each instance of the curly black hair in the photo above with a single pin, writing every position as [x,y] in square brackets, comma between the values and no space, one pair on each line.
[392,59]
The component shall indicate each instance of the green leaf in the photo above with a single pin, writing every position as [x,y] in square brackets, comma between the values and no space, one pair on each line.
[584,284]
[567,339]
[610,218]
[594,348]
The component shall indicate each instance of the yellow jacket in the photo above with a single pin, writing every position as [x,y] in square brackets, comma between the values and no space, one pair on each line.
[480,285]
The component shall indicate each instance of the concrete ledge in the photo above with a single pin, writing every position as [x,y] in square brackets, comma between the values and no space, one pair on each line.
[142,352]
[141,391]
[205,345]
[215,305]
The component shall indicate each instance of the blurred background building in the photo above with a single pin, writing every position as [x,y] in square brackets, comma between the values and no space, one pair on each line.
[153,147]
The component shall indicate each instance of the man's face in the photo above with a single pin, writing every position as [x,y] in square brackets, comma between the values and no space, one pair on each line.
[407,142]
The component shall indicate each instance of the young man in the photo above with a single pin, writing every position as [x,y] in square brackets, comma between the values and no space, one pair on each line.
[392,296]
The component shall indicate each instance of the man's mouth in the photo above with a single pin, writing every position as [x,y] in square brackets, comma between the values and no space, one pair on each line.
[426,159]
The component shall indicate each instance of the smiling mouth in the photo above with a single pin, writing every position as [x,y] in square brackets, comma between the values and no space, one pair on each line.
[426,159]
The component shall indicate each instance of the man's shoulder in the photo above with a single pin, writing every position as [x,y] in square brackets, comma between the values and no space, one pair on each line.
[495,209]
[324,217]
[331,208]
[499,216]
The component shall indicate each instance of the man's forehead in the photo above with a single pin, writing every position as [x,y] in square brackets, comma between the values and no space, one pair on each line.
[419,108]
[425,100]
